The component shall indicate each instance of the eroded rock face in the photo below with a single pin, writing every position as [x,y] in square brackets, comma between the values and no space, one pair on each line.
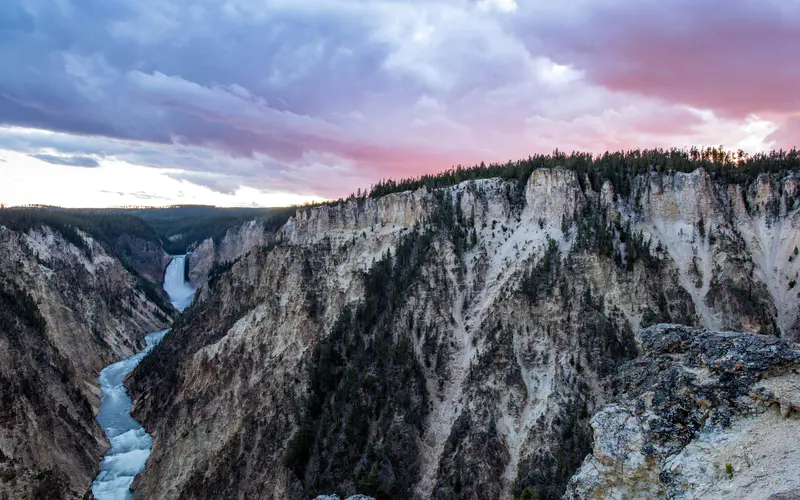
[237,241]
[146,257]
[65,313]
[496,349]
[704,415]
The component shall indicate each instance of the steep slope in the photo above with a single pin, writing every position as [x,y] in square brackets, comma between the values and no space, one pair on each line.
[129,239]
[450,343]
[66,312]
[146,257]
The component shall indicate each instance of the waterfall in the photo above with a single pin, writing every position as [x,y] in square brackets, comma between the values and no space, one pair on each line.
[130,442]
[179,290]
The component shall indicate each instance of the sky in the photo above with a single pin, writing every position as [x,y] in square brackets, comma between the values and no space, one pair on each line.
[276,102]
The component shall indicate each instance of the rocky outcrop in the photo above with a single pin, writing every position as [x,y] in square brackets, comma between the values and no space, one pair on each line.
[146,257]
[450,343]
[65,313]
[200,261]
[703,415]
[395,210]
[237,241]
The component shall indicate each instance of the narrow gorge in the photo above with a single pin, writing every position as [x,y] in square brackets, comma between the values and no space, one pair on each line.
[399,250]
[130,442]
[69,306]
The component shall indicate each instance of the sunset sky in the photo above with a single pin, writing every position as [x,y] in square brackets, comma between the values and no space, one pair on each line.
[273,102]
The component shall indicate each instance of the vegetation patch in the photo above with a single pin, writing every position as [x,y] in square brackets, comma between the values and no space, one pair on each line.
[367,399]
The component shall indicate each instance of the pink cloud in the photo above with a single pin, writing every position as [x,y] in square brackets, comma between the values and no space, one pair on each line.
[736,58]
[672,121]
[788,136]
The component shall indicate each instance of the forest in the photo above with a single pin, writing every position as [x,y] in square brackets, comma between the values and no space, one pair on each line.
[618,167]
[362,377]
[105,228]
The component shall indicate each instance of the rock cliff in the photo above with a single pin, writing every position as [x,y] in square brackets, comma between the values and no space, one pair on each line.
[147,258]
[237,241]
[65,313]
[451,343]
[703,415]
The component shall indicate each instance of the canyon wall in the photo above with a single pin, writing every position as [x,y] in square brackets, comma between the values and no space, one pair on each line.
[451,343]
[237,241]
[65,313]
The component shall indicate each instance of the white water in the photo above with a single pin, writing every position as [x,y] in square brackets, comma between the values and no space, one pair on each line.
[179,290]
[130,443]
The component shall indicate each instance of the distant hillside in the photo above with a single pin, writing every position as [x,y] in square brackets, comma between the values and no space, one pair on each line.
[130,239]
[175,228]
[182,226]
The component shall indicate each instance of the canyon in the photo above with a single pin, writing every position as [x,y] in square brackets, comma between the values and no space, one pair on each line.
[66,311]
[453,342]
[539,337]
[130,442]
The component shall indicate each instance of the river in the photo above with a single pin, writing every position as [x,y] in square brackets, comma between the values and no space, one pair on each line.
[130,443]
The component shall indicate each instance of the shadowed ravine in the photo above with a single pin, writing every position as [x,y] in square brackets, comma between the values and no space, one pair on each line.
[130,443]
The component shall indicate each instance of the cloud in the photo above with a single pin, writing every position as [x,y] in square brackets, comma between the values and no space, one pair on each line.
[70,161]
[13,18]
[138,195]
[322,96]
[787,136]
[733,59]
[312,173]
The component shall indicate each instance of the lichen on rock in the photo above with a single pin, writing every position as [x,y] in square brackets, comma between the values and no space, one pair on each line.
[704,415]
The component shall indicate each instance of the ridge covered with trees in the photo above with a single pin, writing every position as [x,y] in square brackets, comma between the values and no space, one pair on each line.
[617,167]
[107,229]
[181,226]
